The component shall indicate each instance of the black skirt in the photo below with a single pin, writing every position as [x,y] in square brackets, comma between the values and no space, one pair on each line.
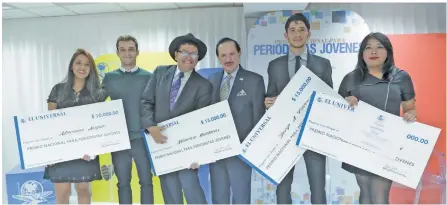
[75,171]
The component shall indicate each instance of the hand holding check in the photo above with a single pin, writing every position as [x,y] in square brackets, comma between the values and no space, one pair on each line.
[352,100]
[269,102]
[86,157]
[194,165]
[155,132]
[410,115]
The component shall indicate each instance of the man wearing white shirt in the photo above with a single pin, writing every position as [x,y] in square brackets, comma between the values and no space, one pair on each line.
[280,71]
[127,83]
[245,92]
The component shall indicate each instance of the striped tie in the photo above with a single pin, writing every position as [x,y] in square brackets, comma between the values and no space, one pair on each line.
[175,87]
[225,89]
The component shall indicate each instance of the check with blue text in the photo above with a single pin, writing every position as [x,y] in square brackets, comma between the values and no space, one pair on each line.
[368,138]
[70,133]
[203,136]
[270,148]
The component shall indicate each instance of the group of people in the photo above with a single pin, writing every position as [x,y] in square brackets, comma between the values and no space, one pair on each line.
[171,91]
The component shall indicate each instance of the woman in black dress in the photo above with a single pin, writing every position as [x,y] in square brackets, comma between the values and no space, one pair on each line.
[80,87]
[378,82]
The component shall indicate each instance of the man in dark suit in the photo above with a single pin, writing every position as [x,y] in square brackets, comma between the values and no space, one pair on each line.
[173,91]
[280,71]
[245,92]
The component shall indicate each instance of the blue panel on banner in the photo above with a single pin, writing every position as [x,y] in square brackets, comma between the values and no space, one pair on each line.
[272,20]
[348,13]
[207,72]
[318,15]
[307,15]
[19,170]
[204,173]
[287,13]
[339,17]
[29,187]
[340,191]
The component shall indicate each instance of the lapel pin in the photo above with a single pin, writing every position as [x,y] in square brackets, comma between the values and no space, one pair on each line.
[241,79]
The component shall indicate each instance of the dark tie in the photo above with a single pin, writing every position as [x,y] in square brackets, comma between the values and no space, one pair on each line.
[297,63]
[175,87]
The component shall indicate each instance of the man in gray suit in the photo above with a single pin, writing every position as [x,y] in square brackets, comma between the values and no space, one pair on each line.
[245,92]
[173,91]
[280,71]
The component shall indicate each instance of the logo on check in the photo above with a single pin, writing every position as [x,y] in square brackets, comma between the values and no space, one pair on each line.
[47,116]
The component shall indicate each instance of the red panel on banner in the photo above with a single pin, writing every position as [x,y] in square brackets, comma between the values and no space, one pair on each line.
[423,56]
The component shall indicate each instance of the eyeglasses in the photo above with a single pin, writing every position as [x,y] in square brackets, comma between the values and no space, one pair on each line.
[186,54]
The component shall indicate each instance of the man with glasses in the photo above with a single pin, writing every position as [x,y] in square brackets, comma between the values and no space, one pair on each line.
[173,91]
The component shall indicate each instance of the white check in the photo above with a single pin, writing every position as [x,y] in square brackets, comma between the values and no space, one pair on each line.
[70,133]
[368,138]
[270,148]
[203,136]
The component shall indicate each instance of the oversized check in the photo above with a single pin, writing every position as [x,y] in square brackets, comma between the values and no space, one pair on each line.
[270,148]
[368,138]
[203,136]
[70,133]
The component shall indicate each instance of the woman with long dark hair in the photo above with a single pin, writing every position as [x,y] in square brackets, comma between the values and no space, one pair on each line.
[378,82]
[80,87]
